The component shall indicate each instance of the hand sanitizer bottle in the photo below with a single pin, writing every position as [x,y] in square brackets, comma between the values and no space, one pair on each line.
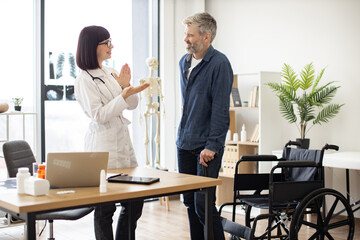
[228,135]
[102,181]
[243,134]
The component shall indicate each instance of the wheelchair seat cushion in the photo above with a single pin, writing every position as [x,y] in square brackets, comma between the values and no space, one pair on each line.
[263,203]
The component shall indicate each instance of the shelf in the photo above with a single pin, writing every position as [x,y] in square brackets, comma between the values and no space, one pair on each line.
[243,143]
[242,108]
[227,175]
[17,113]
[24,115]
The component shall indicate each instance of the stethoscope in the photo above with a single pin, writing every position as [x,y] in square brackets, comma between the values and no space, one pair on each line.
[93,78]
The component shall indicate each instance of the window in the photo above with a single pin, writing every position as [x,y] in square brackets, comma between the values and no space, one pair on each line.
[17,67]
[17,54]
[65,122]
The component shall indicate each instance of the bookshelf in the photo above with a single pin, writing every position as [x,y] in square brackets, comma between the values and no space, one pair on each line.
[265,114]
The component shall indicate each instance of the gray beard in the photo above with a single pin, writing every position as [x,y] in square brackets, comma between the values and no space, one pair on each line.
[190,50]
[195,49]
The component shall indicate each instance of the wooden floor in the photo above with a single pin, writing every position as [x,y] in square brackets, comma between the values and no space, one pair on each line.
[156,223]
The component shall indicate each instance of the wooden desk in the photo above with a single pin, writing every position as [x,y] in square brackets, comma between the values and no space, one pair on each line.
[26,207]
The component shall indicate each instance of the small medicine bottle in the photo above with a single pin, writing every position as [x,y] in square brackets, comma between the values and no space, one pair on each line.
[243,134]
[22,174]
[41,171]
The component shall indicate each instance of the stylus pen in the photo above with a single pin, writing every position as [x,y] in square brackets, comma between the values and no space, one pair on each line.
[118,175]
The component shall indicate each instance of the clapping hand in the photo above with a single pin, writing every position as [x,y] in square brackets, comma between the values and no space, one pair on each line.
[124,77]
[124,80]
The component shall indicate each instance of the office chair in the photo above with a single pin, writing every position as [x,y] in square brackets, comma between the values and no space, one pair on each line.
[19,154]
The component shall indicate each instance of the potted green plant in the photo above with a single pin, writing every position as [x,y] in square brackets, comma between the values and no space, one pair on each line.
[302,100]
[17,103]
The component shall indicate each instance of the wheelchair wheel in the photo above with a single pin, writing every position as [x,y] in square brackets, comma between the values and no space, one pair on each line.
[323,223]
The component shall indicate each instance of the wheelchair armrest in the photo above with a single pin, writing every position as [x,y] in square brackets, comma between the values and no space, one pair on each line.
[300,163]
[257,158]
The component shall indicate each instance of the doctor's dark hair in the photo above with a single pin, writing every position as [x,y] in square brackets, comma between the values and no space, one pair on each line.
[89,38]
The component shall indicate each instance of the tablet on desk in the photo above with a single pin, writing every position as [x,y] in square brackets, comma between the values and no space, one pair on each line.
[132,179]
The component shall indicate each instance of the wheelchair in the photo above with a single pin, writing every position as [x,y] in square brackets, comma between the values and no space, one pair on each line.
[291,198]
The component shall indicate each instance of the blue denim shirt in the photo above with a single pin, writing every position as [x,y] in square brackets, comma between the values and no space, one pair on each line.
[205,98]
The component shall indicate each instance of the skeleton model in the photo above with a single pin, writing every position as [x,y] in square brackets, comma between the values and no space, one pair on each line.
[154,90]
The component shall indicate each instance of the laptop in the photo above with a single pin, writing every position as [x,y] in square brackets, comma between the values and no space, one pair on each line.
[75,169]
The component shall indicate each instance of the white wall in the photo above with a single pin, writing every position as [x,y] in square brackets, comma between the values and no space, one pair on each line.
[261,35]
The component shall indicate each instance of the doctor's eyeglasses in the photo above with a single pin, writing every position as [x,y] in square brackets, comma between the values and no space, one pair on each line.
[108,43]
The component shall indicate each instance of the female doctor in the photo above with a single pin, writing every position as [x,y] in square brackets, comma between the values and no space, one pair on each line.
[103,95]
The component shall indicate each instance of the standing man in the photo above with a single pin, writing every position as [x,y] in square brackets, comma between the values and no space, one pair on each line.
[206,80]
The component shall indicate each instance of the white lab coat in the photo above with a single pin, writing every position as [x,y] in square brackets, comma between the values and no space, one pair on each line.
[104,105]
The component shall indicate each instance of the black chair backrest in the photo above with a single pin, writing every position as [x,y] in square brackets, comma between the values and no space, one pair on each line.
[303,174]
[17,154]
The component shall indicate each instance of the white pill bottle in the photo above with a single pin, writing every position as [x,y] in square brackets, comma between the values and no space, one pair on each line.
[22,174]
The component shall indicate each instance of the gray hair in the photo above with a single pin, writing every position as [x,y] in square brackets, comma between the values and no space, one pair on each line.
[204,21]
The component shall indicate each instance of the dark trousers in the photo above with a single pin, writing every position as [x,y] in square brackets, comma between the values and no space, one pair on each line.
[188,161]
[103,220]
